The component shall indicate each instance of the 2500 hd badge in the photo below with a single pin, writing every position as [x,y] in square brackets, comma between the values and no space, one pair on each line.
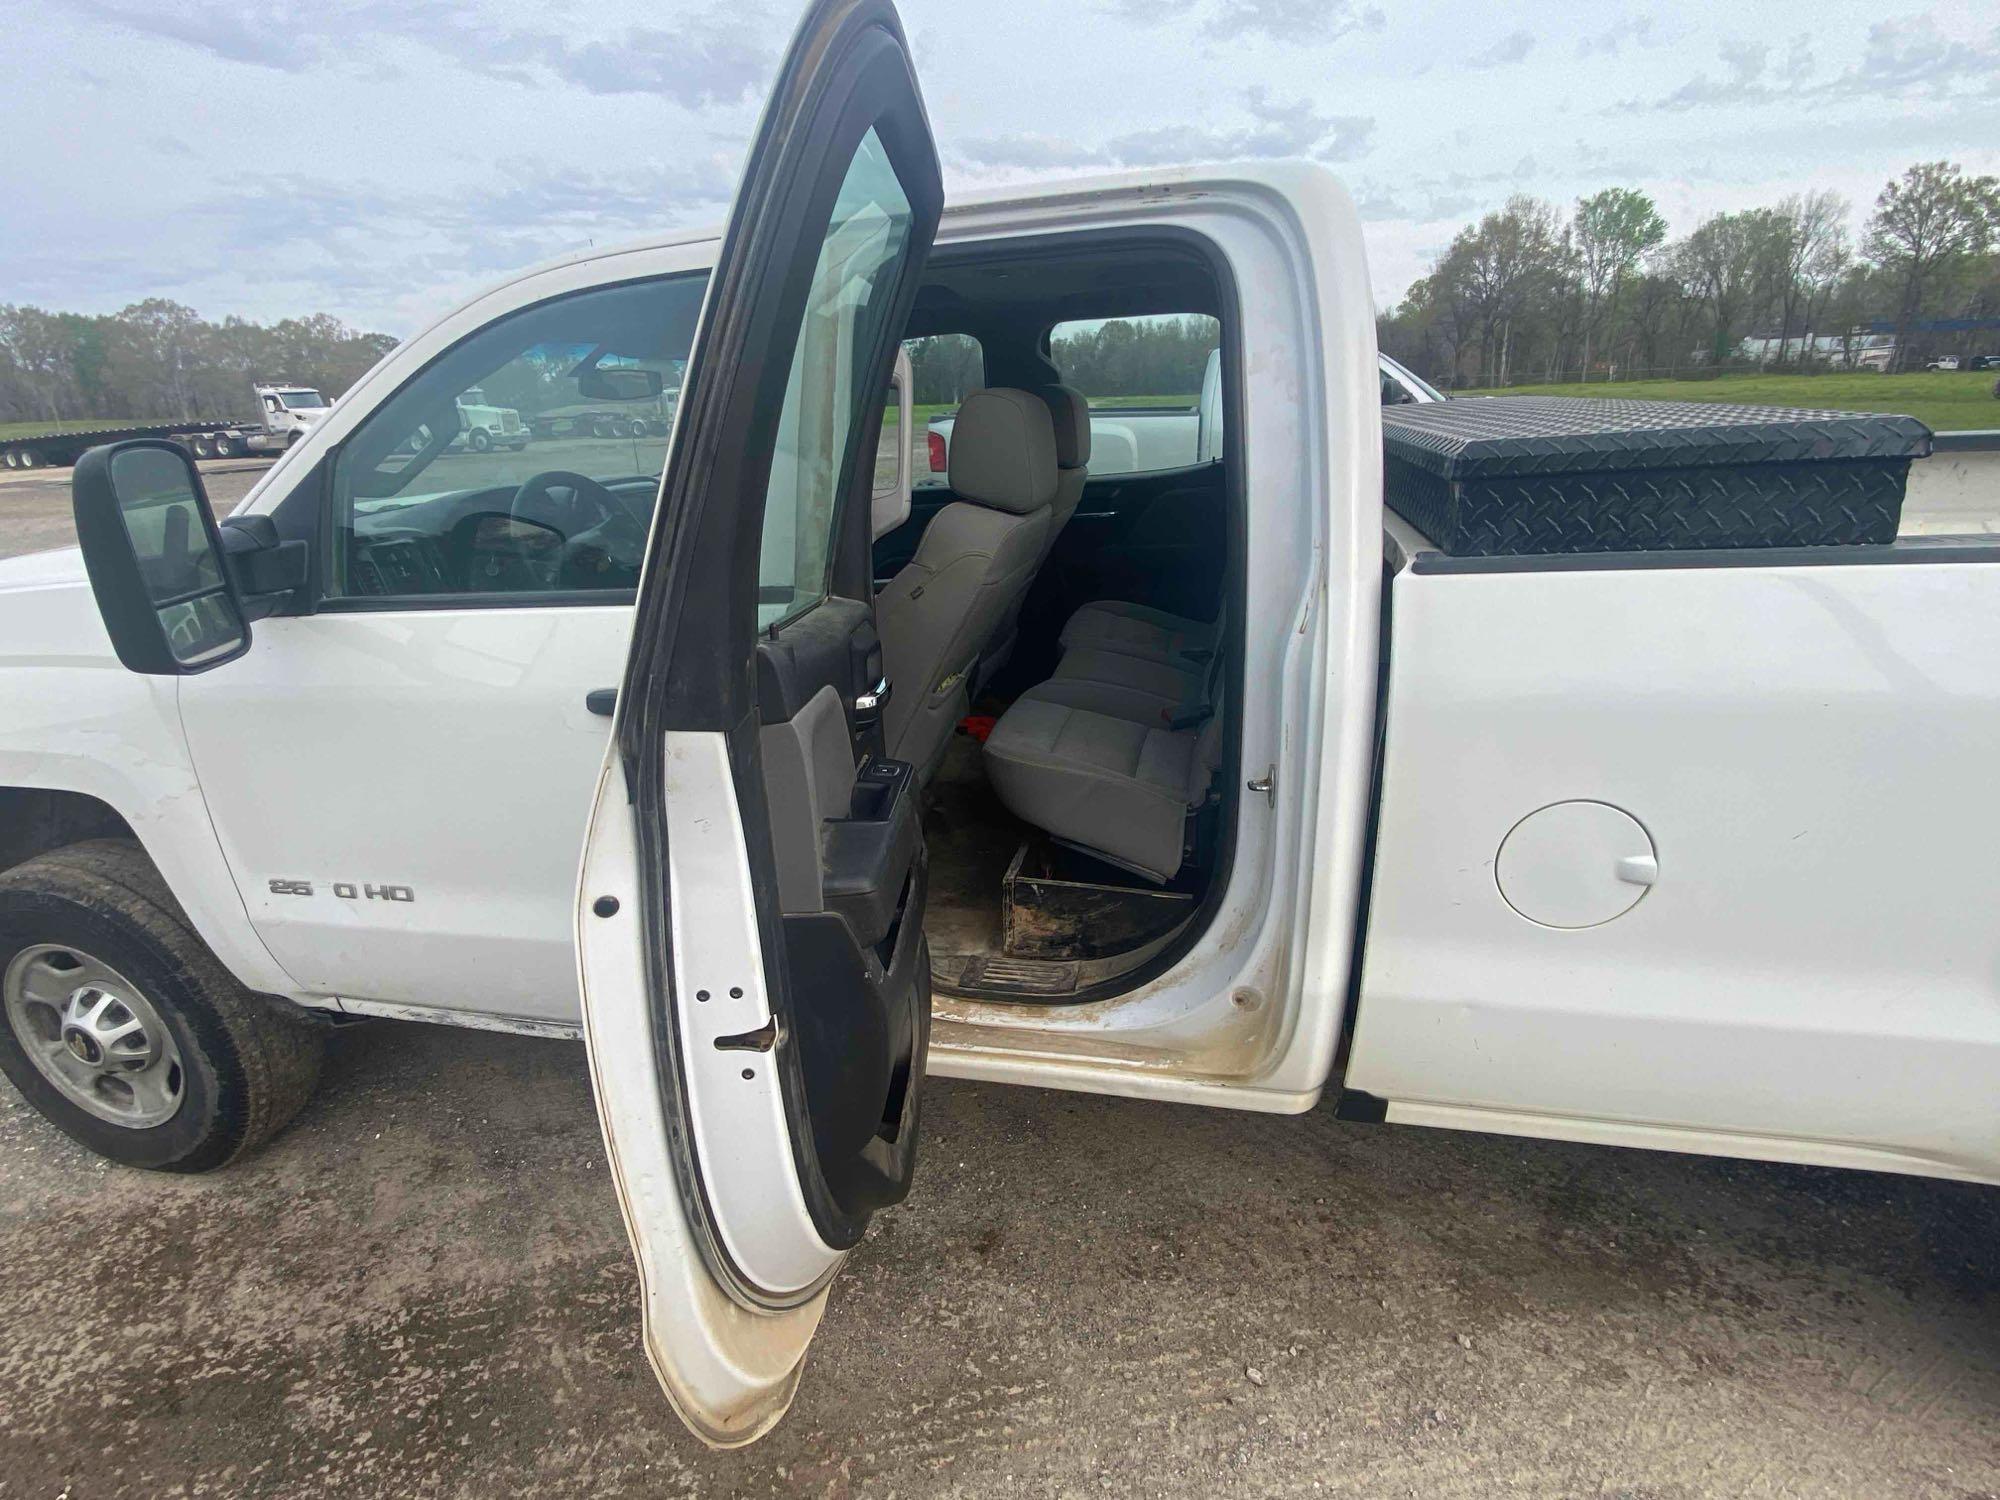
[346,890]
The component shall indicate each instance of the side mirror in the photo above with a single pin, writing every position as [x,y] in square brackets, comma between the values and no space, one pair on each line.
[619,383]
[155,559]
[889,501]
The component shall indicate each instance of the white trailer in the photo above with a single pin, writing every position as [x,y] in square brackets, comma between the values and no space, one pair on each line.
[285,414]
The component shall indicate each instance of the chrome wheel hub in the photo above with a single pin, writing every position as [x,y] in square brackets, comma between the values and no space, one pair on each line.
[92,1033]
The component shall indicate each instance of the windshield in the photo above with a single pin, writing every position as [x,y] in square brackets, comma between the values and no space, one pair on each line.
[302,400]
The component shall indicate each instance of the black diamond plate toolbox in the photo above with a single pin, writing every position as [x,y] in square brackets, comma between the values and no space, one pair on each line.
[1529,475]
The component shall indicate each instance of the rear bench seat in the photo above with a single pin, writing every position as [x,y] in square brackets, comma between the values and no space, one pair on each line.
[1112,752]
[1137,630]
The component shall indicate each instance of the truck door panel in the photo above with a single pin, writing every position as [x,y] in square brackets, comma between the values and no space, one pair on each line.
[1804,753]
[440,755]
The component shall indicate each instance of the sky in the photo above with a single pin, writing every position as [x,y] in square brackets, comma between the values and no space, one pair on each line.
[382,159]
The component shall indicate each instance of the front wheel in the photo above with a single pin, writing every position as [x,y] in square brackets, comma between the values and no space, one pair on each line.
[480,440]
[119,1025]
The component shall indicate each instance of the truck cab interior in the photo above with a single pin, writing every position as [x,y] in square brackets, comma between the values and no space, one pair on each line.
[1058,640]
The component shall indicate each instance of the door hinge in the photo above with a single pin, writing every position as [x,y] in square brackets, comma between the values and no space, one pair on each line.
[1267,784]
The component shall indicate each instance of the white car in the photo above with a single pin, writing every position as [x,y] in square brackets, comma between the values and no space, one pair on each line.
[1679,849]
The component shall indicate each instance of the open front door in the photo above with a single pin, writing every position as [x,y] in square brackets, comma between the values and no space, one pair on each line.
[756,995]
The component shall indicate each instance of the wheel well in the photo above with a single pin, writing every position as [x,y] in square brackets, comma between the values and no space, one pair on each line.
[34,820]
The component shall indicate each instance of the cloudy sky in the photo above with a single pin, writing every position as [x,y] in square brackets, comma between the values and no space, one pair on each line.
[379,158]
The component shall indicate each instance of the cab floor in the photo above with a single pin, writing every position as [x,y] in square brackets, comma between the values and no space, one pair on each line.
[971,838]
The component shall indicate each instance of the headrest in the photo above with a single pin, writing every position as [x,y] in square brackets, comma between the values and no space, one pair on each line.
[1072,418]
[1003,450]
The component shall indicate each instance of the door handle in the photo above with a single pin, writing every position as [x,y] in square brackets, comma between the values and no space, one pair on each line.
[603,701]
[872,700]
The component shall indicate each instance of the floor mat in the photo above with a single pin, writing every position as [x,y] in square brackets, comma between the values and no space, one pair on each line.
[971,838]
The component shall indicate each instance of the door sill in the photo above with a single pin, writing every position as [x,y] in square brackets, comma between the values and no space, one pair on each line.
[476,1020]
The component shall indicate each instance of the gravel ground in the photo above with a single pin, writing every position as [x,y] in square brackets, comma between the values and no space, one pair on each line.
[423,1289]
[35,511]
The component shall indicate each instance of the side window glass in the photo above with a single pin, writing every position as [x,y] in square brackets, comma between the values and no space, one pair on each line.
[944,369]
[892,452]
[889,495]
[524,460]
[1144,379]
[827,401]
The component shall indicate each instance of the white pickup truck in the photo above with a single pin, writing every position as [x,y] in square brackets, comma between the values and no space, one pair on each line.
[1277,796]
[1148,439]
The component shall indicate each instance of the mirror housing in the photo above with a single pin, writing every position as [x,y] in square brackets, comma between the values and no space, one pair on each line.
[155,559]
[619,383]
[263,567]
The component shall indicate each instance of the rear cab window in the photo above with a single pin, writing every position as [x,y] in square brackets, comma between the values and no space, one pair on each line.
[1152,385]
[945,368]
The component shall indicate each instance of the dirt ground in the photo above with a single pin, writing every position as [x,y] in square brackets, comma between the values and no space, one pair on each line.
[423,1289]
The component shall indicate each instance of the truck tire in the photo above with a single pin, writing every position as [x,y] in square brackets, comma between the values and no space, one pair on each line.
[226,445]
[30,459]
[480,440]
[119,1025]
[8,459]
[203,445]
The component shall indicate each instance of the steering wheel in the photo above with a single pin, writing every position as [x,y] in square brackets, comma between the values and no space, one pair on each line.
[602,540]
[586,504]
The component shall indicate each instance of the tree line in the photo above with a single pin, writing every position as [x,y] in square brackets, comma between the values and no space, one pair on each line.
[158,360]
[1531,294]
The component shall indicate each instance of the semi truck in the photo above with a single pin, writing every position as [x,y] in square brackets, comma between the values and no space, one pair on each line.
[1596,772]
[285,413]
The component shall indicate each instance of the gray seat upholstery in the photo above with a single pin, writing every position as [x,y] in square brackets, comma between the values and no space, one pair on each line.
[1070,414]
[976,558]
[1119,788]
[1155,693]
[1111,754]
[1138,630]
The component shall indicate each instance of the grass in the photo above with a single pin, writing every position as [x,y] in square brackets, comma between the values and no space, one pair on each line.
[926,413]
[1943,400]
[79,424]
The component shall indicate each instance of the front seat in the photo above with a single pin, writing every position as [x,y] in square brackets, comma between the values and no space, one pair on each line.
[1071,414]
[975,561]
